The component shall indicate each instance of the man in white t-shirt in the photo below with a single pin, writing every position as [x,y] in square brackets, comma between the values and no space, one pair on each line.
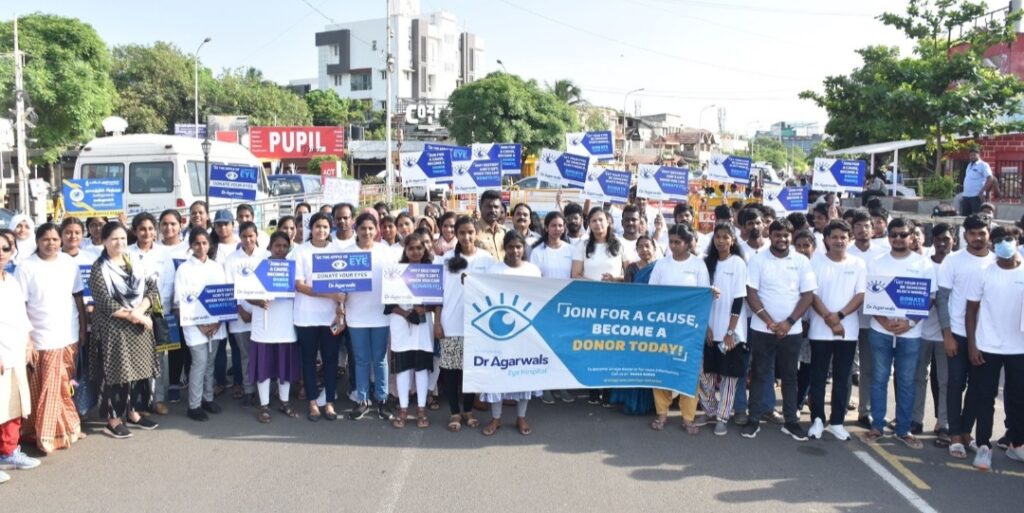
[978,181]
[631,223]
[780,286]
[958,272]
[933,351]
[863,247]
[752,241]
[995,341]
[896,341]
[835,326]
[344,234]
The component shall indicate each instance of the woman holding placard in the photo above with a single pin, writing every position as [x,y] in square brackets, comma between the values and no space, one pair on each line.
[412,341]
[273,353]
[245,259]
[170,239]
[192,277]
[316,316]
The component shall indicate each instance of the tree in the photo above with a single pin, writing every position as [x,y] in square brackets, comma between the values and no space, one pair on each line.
[943,89]
[329,109]
[566,91]
[314,165]
[155,86]
[594,121]
[244,91]
[504,108]
[67,78]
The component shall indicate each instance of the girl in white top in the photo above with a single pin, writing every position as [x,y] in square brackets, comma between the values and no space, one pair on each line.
[680,268]
[314,314]
[514,245]
[367,324]
[170,237]
[553,254]
[243,260]
[273,353]
[177,250]
[599,256]
[223,240]
[53,291]
[24,233]
[412,340]
[465,259]
[72,232]
[192,277]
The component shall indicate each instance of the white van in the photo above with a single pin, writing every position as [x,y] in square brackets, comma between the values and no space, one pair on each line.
[164,171]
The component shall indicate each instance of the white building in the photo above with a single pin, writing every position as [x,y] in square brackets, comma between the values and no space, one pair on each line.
[432,57]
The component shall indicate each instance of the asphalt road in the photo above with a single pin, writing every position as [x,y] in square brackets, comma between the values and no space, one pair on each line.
[579,458]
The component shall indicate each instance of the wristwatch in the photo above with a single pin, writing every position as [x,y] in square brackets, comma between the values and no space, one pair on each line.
[730,333]
[841,315]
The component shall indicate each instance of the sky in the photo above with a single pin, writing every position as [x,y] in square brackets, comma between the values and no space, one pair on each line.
[751,57]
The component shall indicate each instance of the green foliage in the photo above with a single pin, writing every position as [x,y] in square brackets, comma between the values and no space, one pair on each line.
[329,109]
[67,77]
[372,180]
[567,91]
[938,186]
[314,165]
[771,150]
[594,121]
[155,86]
[244,91]
[503,108]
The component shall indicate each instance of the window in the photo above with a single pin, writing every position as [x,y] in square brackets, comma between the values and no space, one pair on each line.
[151,177]
[337,80]
[362,82]
[374,45]
[103,171]
[423,49]
[334,48]
[430,83]
[383,74]
[197,177]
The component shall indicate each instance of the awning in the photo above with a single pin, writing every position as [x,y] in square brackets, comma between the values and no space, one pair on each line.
[871,149]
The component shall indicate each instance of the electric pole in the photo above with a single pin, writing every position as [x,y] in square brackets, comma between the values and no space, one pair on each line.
[19,122]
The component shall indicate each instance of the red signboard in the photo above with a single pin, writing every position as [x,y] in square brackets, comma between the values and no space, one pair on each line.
[296,142]
[328,169]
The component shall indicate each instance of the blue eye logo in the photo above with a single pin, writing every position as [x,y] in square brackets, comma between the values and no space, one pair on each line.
[549,158]
[716,161]
[646,173]
[191,298]
[246,271]
[231,175]
[480,154]
[574,141]
[409,162]
[392,273]
[823,168]
[460,170]
[501,321]
[876,286]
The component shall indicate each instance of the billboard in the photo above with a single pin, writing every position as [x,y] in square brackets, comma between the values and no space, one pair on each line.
[296,142]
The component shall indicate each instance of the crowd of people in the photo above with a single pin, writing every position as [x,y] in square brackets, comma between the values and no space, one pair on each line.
[82,303]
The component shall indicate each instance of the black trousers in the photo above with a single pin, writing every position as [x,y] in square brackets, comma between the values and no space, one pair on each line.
[458,402]
[837,355]
[785,352]
[122,398]
[982,391]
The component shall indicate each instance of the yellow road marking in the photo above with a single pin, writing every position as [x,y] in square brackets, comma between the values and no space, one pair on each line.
[962,466]
[899,466]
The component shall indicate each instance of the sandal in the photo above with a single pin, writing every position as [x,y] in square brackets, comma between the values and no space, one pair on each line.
[314,414]
[218,390]
[658,423]
[264,415]
[329,413]
[871,436]
[691,428]
[455,423]
[958,451]
[911,441]
[523,426]
[471,420]
[399,421]
[433,404]
[492,427]
[287,410]
[237,392]
[421,418]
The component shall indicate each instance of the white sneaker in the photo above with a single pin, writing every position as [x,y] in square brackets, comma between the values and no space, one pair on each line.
[4,477]
[983,460]
[817,428]
[838,431]
[1015,453]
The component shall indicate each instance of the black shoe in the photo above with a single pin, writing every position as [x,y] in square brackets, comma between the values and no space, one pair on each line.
[751,429]
[855,380]
[198,414]
[119,431]
[211,407]
[1003,442]
[864,421]
[916,428]
[143,423]
[359,411]
[795,430]
[384,411]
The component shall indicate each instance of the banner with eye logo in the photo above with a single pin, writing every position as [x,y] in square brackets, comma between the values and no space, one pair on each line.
[215,303]
[269,279]
[342,272]
[412,284]
[895,296]
[524,334]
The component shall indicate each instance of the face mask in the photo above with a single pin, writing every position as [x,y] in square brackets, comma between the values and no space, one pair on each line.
[1006,249]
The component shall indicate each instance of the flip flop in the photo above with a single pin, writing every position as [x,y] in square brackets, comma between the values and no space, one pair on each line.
[958,451]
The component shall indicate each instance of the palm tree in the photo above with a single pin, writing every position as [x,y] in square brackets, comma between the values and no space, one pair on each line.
[566,91]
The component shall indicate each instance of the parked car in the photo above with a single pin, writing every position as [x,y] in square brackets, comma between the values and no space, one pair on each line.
[281,185]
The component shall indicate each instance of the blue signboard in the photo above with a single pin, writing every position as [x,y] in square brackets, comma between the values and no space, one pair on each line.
[85,271]
[413,284]
[93,197]
[663,183]
[510,156]
[599,145]
[457,153]
[786,199]
[216,303]
[270,279]
[897,296]
[729,169]
[173,327]
[427,167]
[608,185]
[563,168]
[835,175]
[476,176]
[189,130]
[233,182]
[342,272]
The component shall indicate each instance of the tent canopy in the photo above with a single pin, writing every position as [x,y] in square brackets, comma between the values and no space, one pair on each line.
[871,149]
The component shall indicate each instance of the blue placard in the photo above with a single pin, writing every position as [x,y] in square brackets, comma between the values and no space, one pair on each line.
[173,327]
[599,145]
[457,153]
[510,156]
[215,303]
[835,175]
[93,197]
[896,296]
[270,279]
[563,168]
[85,271]
[413,284]
[233,182]
[608,185]
[786,199]
[476,176]
[342,272]
[426,168]
[178,262]
[663,183]
[729,169]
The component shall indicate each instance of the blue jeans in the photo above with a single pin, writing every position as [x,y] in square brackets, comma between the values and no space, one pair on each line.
[883,356]
[740,399]
[370,348]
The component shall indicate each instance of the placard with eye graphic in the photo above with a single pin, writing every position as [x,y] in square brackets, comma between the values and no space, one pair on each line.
[591,144]
[898,297]
[269,279]
[412,284]
[728,169]
[342,272]
[524,333]
[215,303]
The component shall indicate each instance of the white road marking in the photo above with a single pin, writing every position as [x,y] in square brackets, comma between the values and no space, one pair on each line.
[913,498]
[401,472]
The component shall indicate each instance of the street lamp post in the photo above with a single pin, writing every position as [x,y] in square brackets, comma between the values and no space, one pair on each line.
[700,128]
[752,139]
[625,137]
[206,167]
[502,64]
[195,127]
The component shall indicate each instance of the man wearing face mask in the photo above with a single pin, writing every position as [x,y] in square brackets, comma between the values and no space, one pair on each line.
[996,345]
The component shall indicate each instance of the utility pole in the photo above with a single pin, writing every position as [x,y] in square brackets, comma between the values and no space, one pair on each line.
[389,63]
[19,122]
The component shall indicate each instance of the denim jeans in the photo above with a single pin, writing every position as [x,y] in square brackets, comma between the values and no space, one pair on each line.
[370,348]
[883,357]
[313,340]
[960,372]
[836,355]
[740,399]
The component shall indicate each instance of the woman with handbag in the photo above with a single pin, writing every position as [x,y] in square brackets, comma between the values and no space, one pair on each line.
[122,344]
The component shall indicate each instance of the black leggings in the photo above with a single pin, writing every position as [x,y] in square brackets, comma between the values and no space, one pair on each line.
[122,398]
[453,390]
[178,361]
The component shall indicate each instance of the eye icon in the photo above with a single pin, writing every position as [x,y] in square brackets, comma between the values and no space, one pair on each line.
[592,177]
[549,158]
[77,195]
[501,321]
[480,154]
[339,265]
[876,286]
[575,141]
[246,271]
[393,273]
[716,161]
[409,162]
[191,298]
[231,175]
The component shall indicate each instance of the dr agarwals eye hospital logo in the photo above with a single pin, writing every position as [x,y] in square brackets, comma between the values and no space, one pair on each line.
[231,175]
[716,161]
[574,141]
[246,271]
[549,158]
[876,286]
[77,195]
[500,321]
[822,168]
[481,154]
[191,297]
[408,162]
[461,170]
[646,173]
[392,273]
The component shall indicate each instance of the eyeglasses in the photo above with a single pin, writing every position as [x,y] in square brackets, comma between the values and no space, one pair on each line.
[6,249]
[901,235]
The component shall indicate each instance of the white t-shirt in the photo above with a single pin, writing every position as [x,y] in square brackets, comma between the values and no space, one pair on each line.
[48,288]
[599,262]
[838,282]
[84,260]
[931,329]
[311,310]
[958,272]
[14,324]
[553,263]
[191,278]
[411,337]
[156,263]
[524,269]
[749,251]
[1001,293]
[365,309]
[278,328]
[910,266]
[688,273]
[882,242]
[343,243]
[731,282]
[452,311]
[779,283]
[874,251]
[233,265]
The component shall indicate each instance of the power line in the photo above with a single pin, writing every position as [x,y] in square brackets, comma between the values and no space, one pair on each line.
[719,24]
[330,19]
[773,10]
[660,53]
